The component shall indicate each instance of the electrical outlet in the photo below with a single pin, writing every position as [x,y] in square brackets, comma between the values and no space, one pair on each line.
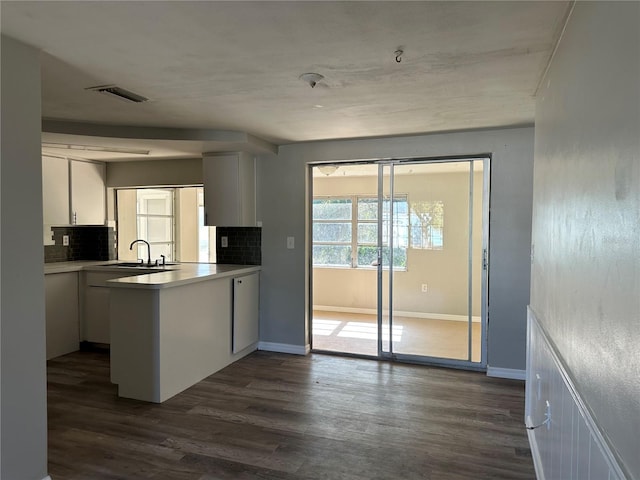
[65,240]
[425,288]
[291,243]
[224,242]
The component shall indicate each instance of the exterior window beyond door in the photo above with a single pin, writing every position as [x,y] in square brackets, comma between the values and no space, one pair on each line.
[345,231]
[155,221]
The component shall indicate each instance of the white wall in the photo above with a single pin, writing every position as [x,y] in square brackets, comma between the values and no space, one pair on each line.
[187,224]
[127,224]
[149,173]
[586,230]
[282,208]
[23,431]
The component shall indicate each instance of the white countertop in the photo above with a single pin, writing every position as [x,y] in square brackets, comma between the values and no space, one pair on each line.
[173,276]
[64,267]
[185,274]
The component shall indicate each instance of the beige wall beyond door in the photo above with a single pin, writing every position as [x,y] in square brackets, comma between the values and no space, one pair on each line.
[444,271]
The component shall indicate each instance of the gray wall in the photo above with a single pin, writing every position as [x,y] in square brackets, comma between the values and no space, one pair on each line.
[282,209]
[23,452]
[586,220]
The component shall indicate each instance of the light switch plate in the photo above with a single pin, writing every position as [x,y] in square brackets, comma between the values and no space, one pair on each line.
[291,243]
[224,242]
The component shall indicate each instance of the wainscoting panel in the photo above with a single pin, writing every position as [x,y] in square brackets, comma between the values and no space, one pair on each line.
[567,443]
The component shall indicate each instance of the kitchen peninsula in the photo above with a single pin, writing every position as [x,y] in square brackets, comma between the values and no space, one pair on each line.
[170,329]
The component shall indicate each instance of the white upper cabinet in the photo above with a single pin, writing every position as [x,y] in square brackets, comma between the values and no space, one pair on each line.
[88,204]
[229,189]
[55,191]
[73,192]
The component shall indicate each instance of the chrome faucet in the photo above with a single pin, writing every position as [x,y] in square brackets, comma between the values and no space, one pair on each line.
[148,249]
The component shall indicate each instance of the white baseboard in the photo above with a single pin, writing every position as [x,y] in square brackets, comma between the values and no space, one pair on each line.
[284,348]
[511,373]
[535,452]
[399,313]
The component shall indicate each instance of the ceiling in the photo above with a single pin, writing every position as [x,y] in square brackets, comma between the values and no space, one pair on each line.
[212,70]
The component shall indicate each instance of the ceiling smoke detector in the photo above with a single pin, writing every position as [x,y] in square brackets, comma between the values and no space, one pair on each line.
[311,78]
[119,93]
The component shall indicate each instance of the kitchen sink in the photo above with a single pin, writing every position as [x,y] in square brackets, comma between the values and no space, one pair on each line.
[143,265]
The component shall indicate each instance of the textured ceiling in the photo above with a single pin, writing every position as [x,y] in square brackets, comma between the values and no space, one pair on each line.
[235,65]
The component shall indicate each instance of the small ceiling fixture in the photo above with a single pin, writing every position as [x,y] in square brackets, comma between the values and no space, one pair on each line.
[118,92]
[311,78]
[327,169]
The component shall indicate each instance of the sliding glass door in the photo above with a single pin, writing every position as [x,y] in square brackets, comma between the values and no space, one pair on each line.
[433,297]
[406,276]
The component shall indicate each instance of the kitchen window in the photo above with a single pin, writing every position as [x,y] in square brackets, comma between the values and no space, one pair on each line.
[156,222]
[170,219]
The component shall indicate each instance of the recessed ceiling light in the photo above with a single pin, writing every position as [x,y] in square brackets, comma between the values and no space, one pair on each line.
[318,106]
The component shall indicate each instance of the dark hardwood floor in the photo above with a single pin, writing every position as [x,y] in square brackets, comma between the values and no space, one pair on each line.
[275,416]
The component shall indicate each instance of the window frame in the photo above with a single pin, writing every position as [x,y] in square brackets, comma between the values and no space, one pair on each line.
[146,216]
[314,243]
[355,244]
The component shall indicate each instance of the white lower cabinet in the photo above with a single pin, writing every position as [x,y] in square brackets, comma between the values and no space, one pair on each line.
[246,291]
[164,340]
[62,313]
[95,305]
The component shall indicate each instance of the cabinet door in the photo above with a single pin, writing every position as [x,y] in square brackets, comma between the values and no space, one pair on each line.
[87,193]
[62,318]
[55,191]
[246,291]
[229,190]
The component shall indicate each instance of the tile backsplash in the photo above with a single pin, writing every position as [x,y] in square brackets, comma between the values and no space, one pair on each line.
[244,245]
[97,242]
[86,242]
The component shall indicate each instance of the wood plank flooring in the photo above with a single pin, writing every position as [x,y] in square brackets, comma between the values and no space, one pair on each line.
[284,417]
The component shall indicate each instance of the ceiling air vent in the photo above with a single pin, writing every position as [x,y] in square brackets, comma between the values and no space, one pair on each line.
[118,92]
